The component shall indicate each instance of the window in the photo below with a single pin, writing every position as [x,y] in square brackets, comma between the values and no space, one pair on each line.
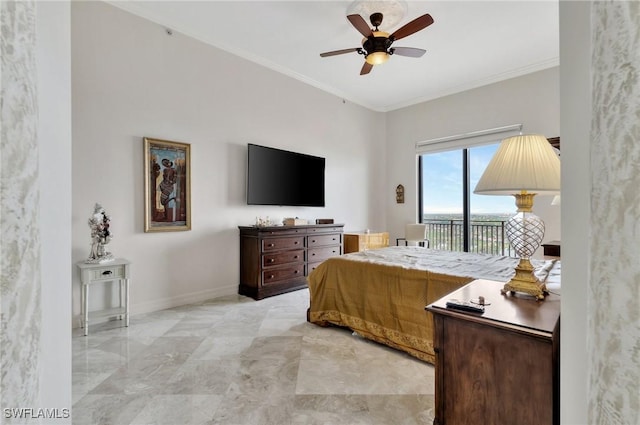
[459,220]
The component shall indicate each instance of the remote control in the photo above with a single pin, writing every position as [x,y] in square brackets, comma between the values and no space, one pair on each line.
[465,306]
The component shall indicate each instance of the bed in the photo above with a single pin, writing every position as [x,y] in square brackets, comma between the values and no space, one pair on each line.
[381,294]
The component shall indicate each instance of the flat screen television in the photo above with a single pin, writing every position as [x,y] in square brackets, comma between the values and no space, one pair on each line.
[280,177]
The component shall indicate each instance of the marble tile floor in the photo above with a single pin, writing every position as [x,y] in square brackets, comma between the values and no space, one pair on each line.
[234,360]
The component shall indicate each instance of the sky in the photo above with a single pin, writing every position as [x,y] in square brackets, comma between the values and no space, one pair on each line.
[442,183]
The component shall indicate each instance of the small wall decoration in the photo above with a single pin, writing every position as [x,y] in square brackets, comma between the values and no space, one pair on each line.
[167,186]
[101,235]
[400,194]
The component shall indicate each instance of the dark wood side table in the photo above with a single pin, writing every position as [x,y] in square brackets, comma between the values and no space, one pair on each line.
[501,366]
[362,241]
[551,248]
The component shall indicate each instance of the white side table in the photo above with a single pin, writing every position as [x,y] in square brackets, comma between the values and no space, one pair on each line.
[117,270]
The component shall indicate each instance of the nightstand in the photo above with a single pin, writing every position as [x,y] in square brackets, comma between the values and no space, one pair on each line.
[551,248]
[362,241]
[112,271]
[497,367]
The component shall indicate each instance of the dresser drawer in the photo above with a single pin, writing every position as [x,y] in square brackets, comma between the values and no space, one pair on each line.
[312,266]
[108,273]
[272,244]
[323,240]
[280,232]
[332,229]
[321,254]
[284,273]
[283,257]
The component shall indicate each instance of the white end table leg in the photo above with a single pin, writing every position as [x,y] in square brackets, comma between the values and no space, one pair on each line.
[120,300]
[126,302]
[81,306]
[86,309]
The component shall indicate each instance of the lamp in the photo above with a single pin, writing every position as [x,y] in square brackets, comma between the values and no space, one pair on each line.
[523,166]
[377,47]
[376,58]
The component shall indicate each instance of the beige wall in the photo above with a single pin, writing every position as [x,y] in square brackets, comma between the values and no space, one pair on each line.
[54,134]
[131,80]
[575,99]
[531,100]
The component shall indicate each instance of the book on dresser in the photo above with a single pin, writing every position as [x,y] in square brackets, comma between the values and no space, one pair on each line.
[278,259]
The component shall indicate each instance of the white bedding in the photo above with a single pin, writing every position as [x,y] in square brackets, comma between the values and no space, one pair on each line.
[476,266]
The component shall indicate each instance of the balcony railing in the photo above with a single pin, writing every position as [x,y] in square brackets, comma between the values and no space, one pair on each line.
[486,237]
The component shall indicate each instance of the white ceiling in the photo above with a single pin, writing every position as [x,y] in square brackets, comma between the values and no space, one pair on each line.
[470,44]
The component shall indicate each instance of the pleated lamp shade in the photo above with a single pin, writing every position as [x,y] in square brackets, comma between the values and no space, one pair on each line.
[526,162]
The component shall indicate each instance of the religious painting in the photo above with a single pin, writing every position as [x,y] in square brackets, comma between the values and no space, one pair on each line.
[167,186]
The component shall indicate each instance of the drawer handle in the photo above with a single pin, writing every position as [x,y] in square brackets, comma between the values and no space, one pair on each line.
[313,254]
[272,260]
[295,257]
[313,241]
[106,272]
[271,245]
[296,242]
[295,272]
[271,276]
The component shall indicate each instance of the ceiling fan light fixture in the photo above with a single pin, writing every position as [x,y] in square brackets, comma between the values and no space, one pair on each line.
[377,58]
[376,45]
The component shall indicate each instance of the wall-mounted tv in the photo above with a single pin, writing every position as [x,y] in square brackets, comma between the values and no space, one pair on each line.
[280,177]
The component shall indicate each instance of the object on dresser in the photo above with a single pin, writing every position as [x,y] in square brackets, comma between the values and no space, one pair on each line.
[465,306]
[294,221]
[324,221]
[101,235]
[264,222]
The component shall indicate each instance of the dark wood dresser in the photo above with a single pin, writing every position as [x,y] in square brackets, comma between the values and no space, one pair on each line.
[498,367]
[278,259]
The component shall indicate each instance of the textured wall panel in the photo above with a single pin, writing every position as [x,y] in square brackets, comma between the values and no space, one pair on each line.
[614,301]
[19,229]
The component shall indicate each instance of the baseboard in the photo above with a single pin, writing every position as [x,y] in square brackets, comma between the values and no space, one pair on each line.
[169,302]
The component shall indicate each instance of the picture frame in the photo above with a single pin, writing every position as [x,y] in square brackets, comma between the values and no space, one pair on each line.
[167,185]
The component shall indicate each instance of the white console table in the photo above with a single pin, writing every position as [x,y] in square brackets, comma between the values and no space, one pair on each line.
[117,270]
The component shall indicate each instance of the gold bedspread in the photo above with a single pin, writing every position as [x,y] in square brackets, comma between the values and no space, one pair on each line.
[385,302]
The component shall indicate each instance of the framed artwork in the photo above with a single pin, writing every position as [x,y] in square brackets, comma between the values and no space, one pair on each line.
[167,186]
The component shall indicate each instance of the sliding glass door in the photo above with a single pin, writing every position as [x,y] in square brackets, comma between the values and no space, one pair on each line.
[459,220]
[442,193]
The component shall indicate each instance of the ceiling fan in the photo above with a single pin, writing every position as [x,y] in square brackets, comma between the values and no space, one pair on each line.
[376,46]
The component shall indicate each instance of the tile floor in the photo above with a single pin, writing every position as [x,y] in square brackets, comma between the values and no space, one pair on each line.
[234,360]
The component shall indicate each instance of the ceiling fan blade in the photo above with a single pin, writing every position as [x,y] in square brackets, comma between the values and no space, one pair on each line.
[412,52]
[416,25]
[360,24]
[366,68]
[339,52]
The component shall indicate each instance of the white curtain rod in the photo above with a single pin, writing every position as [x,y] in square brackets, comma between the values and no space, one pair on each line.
[496,130]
